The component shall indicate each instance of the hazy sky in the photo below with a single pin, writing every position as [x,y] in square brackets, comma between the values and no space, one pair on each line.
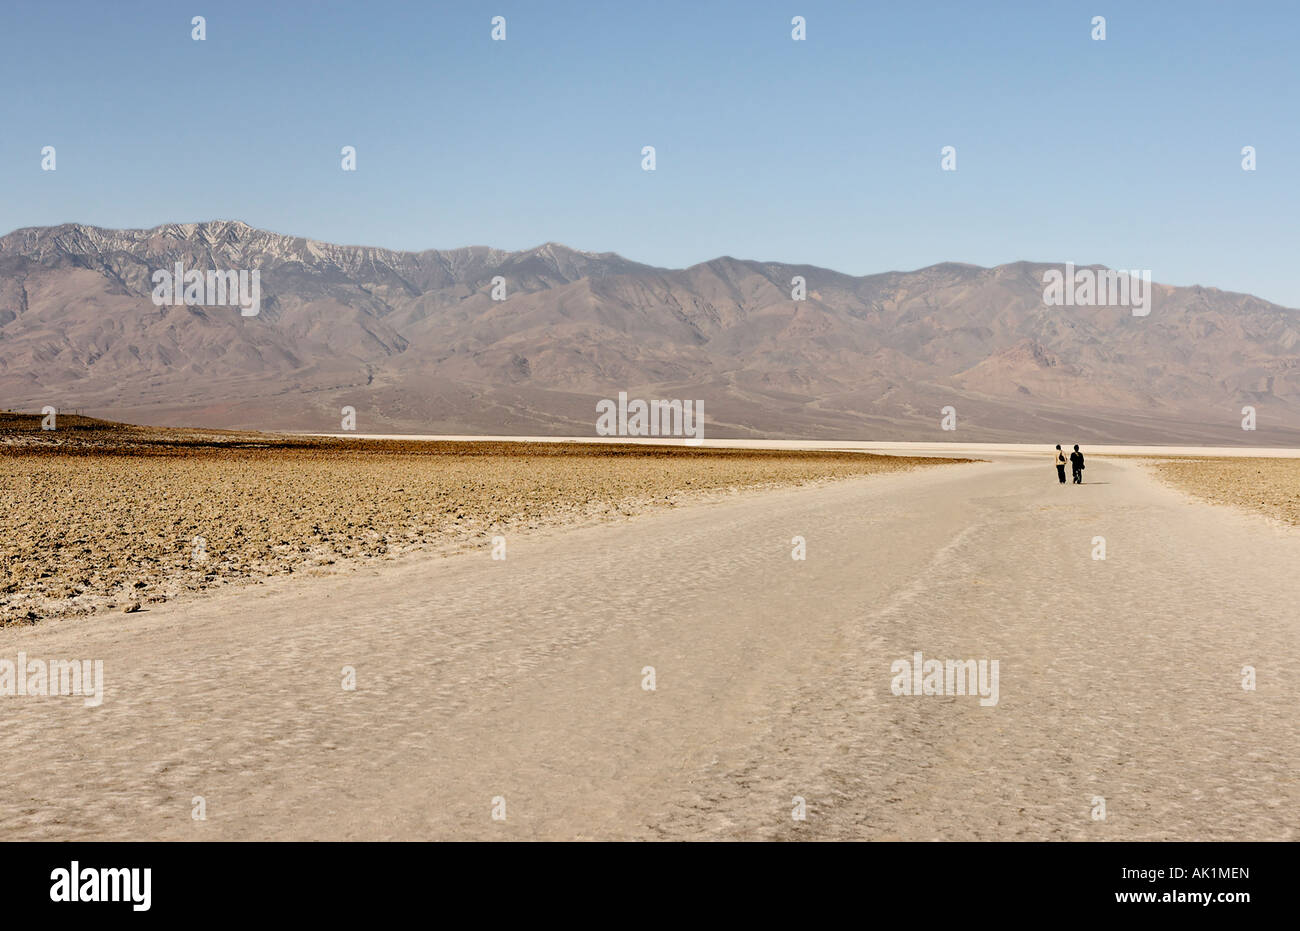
[1124,152]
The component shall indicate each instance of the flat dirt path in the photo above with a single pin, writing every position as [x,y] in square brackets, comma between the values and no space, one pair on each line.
[522,679]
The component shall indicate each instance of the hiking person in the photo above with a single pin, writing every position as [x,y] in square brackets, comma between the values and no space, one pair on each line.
[1060,464]
[1076,463]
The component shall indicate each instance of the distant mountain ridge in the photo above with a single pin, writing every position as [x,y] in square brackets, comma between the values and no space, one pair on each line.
[414,341]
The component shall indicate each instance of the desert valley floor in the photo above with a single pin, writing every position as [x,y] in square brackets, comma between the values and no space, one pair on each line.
[482,681]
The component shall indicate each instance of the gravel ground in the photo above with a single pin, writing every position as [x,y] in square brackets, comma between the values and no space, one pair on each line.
[104,516]
[1269,486]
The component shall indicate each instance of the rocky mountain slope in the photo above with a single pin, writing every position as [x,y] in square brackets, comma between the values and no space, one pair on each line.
[415,343]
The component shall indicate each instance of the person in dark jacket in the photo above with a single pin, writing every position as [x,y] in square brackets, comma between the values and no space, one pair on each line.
[1076,465]
[1060,464]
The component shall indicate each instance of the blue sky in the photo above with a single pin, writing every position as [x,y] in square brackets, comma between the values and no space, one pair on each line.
[1124,152]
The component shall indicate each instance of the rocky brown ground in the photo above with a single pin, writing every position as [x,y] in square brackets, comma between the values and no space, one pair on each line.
[103,516]
[1269,486]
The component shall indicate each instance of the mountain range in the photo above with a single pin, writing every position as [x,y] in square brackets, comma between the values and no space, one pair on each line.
[415,342]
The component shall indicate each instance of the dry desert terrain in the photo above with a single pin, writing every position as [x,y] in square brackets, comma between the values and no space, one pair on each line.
[102,516]
[1268,486]
[418,696]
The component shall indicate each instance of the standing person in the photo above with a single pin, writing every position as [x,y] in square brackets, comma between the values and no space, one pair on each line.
[1060,464]
[1076,463]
